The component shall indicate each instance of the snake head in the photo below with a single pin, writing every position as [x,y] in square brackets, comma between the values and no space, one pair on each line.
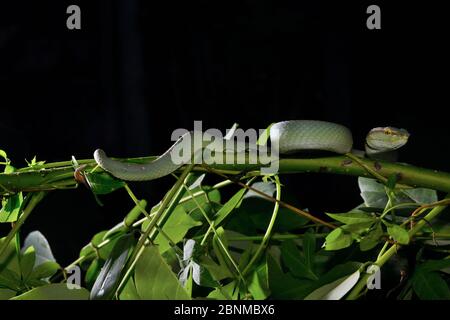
[387,138]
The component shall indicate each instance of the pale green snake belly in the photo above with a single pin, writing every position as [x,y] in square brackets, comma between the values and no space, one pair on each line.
[290,136]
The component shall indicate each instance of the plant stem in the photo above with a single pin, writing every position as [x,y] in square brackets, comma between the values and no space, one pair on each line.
[142,240]
[60,174]
[202,192]
[268,233]
[354,294]
[187,198]
[35,199]
[213,229]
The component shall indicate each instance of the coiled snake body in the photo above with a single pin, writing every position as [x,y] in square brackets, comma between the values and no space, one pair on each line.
[289,136]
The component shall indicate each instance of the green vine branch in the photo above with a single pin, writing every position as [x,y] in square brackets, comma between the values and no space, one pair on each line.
[59,175]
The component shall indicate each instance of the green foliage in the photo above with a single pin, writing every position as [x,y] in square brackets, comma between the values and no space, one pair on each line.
[336,289]
[428,280]
[298,264]
[206,243]
[338,239]
[192,267]
[372,238]
[352,217]
[11,207]
[259,282]
[175,228]
[155,279]
[397,233]
[102,183]
[375,194]
[54,291]
[21,270]
[228,207]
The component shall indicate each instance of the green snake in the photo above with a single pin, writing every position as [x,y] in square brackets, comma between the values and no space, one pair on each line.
[290,136]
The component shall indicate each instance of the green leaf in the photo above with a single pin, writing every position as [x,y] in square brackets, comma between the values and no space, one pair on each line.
[209,201]
[421,195]
[10,279]
[218,272]
[372,238]
[109,277]
[259,282]
[103,182]
[430,286]
[246,256]
[41,247]
[154,278]
[11,208]
[287,220]
[9,169]
[352,217]
[9,259]
[295,262]
[4,155]
[229,207]
[92,272]
[336,289]
[374,199]
[267,188]
[370,185]
[357,229]
[372,192]
[27,262]
[129,291]
[213,194]
[399,234]
[34,162]
[54,291]
[309,248]
[6,294]
[176,227]
[251,217]
[45,270]
[227,292]
[202,276]
[283,285]
[338,239]
[340,271]
[193,270]
[434,265]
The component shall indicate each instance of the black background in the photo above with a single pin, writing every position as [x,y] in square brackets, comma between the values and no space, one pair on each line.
[137,70]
